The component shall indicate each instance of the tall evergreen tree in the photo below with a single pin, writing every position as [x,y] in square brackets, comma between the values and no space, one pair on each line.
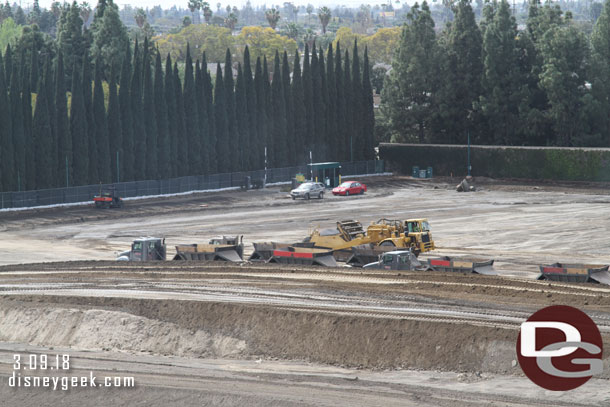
[30,168]
[50,89]
[137,115]
[94,175]
[115,130]
[502,78]
[358,108]
[181,141]
[318,108]
[7,152]
[34,77]
[101,127]
[331,106]
[191,117]
[161,108]
[78,129]
[600,70]
[43,136]
[202,117]
[212,165]
[8,66]
[348,94]
[278,103]
[126,154]
[461,77]
[308,99]
[251,139]
[172,120]
[268,111]
[322,120]
[341,115]
[109,34]
[409,97]
[565,53]
[18,129]
[222,128]
[368,114]
[62,127]
[261,115]
[241,108]
[70,39]
[298,127]
[291,146]
[150,124]
[229,100]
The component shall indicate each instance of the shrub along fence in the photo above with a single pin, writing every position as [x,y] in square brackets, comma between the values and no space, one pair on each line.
[557,163]
[85,193]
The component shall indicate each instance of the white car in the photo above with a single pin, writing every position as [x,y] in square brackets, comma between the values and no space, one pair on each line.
[308,190]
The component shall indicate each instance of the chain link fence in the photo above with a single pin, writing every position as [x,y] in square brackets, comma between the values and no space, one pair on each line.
[85,193]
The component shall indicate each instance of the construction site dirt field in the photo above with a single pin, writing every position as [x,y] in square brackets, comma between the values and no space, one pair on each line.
[252,334]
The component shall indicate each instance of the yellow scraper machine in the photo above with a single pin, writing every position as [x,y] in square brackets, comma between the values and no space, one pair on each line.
[354,245]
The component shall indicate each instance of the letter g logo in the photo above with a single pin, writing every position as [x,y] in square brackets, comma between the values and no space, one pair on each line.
[555,344]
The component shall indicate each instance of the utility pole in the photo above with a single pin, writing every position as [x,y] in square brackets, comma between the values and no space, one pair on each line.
[67,174]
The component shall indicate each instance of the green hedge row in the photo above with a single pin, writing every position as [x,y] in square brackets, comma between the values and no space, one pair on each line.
[574,164]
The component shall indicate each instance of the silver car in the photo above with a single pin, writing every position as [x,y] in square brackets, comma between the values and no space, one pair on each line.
[308,190]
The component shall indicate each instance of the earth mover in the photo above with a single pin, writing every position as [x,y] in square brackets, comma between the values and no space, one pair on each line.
[108,198]
[145,249]
[411,234]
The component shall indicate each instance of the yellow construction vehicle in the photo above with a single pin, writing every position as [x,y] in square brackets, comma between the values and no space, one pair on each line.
[411,233]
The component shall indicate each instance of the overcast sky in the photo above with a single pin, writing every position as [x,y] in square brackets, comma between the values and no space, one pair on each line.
[239,3]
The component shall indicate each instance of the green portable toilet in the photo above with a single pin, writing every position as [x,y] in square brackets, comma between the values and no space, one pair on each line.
[415,173]
[429,172]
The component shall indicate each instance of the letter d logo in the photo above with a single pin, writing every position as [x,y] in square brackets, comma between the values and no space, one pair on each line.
[559,348]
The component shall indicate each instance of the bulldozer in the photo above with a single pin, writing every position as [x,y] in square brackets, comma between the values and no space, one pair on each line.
[411,234]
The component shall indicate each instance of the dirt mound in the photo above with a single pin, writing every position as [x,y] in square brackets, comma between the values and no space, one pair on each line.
[97,329]
[239,331]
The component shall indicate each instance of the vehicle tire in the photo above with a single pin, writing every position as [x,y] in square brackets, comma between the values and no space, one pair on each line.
[307,196]
[388,244]
[362,191]
[346,193]
[293,198]
[321,195]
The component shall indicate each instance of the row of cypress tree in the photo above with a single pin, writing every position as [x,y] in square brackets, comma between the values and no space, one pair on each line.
[150,120]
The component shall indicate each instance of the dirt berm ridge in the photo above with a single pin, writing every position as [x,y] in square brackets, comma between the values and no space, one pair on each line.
[204,329]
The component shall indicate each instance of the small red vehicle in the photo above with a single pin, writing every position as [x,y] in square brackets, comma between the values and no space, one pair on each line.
[350,188]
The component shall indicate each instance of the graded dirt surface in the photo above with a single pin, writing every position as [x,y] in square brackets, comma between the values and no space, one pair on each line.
[271,335]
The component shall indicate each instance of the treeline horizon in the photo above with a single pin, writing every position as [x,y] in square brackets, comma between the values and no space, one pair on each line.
[158,126]
[547,84]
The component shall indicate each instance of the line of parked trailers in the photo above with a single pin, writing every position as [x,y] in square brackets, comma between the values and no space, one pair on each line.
[368,255]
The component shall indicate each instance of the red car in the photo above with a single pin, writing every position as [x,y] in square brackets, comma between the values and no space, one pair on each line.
[350,188]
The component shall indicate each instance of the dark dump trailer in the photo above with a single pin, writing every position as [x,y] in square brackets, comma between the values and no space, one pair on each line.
[575,273]
[462,265]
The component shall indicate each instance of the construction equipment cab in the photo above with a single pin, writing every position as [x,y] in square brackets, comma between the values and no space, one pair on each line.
[418,230]
[108,198]
[145,249]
